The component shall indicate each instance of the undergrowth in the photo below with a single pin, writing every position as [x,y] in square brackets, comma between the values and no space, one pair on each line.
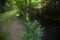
[33,30]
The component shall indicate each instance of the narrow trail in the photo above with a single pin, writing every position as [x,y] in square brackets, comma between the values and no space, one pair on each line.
[16,30]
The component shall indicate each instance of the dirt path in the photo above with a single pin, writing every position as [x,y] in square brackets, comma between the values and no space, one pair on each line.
[16,30]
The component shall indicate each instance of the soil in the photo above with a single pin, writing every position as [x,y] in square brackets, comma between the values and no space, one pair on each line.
[16,30]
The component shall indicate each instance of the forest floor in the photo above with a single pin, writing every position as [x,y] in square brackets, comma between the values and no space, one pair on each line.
[16,30]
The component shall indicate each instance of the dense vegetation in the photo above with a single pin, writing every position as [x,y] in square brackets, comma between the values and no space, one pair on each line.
[36,15]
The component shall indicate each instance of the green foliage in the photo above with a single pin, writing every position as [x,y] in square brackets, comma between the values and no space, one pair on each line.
[33,31]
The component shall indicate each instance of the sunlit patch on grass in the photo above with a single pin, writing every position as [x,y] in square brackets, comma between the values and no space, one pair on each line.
[17,15]
[8,15]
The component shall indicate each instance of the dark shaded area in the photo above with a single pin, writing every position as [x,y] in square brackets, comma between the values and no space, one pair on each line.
[50,19]
[2,4]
